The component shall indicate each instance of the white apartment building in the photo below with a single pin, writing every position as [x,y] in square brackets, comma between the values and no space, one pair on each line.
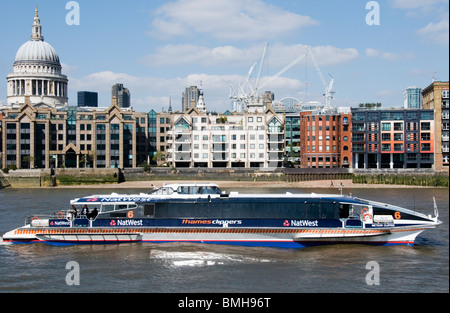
[198,139]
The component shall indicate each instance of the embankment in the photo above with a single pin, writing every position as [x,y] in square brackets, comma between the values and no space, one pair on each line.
[277,178]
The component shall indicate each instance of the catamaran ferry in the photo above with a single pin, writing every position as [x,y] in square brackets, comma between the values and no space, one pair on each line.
[201,213]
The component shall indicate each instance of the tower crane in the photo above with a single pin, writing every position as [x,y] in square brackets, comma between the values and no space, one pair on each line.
[252,97]
[329,92]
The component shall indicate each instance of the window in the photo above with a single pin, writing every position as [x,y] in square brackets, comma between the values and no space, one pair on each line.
[386,126]
[398,147]
[398,126]
[425,147]
[386,147]
[427,115]
[425,126]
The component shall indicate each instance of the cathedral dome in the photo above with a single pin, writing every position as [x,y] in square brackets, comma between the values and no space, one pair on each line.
[37,51]
[37,73]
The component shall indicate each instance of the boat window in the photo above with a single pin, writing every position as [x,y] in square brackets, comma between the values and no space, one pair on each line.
[107,208]
[188,190]
[198,190]
[327,210]
[163,191]
[121,207]
[211,190]
[344,210]
[313,210]
[149,210]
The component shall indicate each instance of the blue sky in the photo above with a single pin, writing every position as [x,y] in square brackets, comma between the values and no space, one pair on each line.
[157,48]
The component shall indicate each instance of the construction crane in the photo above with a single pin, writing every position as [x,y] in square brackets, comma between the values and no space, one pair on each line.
[249,96]
[329,92]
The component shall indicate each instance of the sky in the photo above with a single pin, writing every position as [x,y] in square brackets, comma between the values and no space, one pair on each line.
[374,50]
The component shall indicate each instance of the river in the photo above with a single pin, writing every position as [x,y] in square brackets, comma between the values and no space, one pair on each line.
[197,268]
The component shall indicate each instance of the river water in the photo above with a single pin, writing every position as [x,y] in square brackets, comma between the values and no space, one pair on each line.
[197,268]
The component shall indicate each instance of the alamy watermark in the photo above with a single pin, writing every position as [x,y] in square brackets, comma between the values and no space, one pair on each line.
[73,17]
[373,17]
[373,277]
[73,276]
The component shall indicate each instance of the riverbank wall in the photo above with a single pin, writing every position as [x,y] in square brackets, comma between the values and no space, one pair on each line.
[60,177]
[90,177]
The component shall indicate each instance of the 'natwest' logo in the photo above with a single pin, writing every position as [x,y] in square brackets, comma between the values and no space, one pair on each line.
[113,223]
[286,223]
[92,200]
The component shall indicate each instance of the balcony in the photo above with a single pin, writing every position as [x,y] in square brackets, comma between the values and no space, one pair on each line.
[220,157]
[182,138]
[275,138]
[184,157]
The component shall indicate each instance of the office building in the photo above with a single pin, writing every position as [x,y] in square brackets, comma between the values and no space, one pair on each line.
[412,98]
[122,95]
[42,137]
[325,138]
[190,98]
[435,97]
[87,99]
[251,140]
[392,138]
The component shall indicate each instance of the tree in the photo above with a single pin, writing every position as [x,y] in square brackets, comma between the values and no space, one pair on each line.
[370,105]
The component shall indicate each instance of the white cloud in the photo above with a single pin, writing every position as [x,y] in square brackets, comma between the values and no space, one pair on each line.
[416,4]
[390,56]
[279,55]
[433,32]
[229,20]
[436,32]
[153,93]
[179,55]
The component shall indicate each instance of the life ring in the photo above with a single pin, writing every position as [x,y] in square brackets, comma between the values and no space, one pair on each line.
[35,218]
[364,210]
[130,214]
[60,215]
[367,217]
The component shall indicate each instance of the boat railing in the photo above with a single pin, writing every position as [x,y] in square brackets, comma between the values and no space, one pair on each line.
[60,215]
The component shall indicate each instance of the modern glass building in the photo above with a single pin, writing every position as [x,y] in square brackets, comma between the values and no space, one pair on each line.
[392,139]
[87,99]
[413,98]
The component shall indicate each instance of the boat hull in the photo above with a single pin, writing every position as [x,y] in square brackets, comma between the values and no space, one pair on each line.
[268,237]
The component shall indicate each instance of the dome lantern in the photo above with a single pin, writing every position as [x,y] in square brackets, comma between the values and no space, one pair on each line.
[36,33]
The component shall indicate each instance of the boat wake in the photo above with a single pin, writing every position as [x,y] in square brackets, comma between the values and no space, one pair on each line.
[3,243]
[192,259]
